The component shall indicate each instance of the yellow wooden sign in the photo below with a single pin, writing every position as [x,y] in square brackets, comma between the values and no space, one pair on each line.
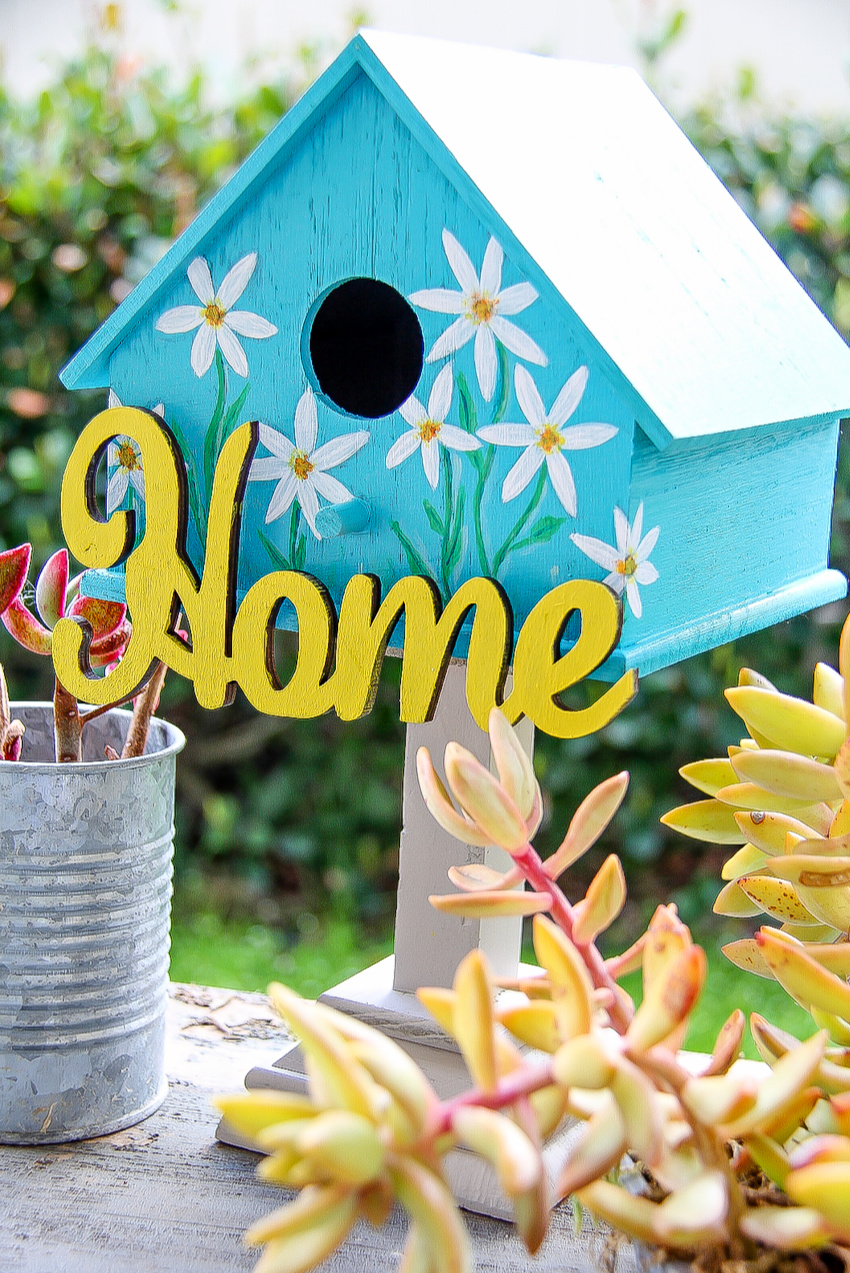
[339,656]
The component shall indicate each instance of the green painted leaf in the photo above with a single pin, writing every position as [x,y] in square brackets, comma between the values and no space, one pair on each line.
[455,547]
[434,519]
[301,552]
[414,558]
[210,451]
[540,533]
[278,560]
[467,414]
[504,384]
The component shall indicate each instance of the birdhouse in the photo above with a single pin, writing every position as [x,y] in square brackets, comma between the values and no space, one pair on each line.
[493,318]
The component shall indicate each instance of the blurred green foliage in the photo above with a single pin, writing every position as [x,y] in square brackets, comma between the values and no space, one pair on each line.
[96,178]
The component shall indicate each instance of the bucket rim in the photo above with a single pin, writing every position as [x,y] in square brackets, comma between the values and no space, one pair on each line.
[175,742]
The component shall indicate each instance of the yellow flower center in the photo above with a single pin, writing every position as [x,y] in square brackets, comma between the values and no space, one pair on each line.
[429,429]
[480,308]
[627,567]
[549,439]
[214,314]
[127,458]
[300,465]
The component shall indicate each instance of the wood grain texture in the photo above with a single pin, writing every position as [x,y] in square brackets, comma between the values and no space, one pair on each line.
[165,1197]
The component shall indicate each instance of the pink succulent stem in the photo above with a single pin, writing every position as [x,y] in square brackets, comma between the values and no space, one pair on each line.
[510,1089]
[531,866]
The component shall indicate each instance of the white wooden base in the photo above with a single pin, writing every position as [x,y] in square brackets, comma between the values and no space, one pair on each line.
[370,997]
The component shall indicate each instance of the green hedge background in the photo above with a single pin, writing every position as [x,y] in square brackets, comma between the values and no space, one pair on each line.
[282,819]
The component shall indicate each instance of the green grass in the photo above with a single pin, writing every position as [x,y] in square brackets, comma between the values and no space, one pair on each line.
[212,950]
[243,954]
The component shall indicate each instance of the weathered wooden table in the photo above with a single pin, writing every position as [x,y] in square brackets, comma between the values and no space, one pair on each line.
[166,1197]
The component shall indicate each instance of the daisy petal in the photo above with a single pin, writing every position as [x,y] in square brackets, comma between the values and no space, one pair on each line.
[637,528]
[203,349]
[647,543]
[306,422]
[615,581]
[461,266]
[248,324]
[508,434]
[521,473]
[112,399]
[431,463]
[331,488]
[412,411]
[528,398]
[117,489]
[633,597]
[597,550]
[486,363]
[137,479]
[339,449]
[646,572]
[309,501]
[452,339]
[402,448]
[578,437]
[236,280]
[278,443]
[270,468]
[517,341]
[491,268]
[200,278]
[232,350]
[185,318]
[438,299]
[458,439]
[621,531]
[513,300]
[569,397]
[561,478]
[440,398]
[284,494]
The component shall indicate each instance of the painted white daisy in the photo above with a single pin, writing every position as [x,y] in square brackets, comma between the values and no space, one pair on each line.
[216,321]
[627,562]
[428,429]
[301,469]
[544,437]
[124,462]
[482,305]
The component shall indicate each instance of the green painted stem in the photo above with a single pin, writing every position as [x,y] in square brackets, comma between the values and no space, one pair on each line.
[499,559]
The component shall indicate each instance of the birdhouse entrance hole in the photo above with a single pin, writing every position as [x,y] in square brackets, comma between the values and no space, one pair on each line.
[364,346]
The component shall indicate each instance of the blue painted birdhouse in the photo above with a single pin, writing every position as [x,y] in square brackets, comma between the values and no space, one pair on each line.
[495,317]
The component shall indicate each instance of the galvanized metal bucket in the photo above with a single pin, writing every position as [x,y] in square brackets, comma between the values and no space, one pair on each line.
[85,903]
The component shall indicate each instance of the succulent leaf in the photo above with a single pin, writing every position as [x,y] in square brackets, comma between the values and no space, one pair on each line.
[484,800]
[776,897]
[505,1145]
[598,1149]
[603,902]
[828,689]
[588,823]
[790,723]
[668,1000]
[14,568]
[513,764]
[785,1228]
[304,1248]
[440,806]
[490,903]
[709,775]
[788,774]
[51,588]
[474,1020]
[706,820]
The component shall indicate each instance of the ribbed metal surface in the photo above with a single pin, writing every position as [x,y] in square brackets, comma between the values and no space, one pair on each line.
[85,894]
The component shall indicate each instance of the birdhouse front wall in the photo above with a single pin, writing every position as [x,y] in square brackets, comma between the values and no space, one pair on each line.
[480,438]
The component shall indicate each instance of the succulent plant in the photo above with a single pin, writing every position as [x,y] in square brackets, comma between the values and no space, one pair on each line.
[107,631]
[741,1162]
[781,797]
